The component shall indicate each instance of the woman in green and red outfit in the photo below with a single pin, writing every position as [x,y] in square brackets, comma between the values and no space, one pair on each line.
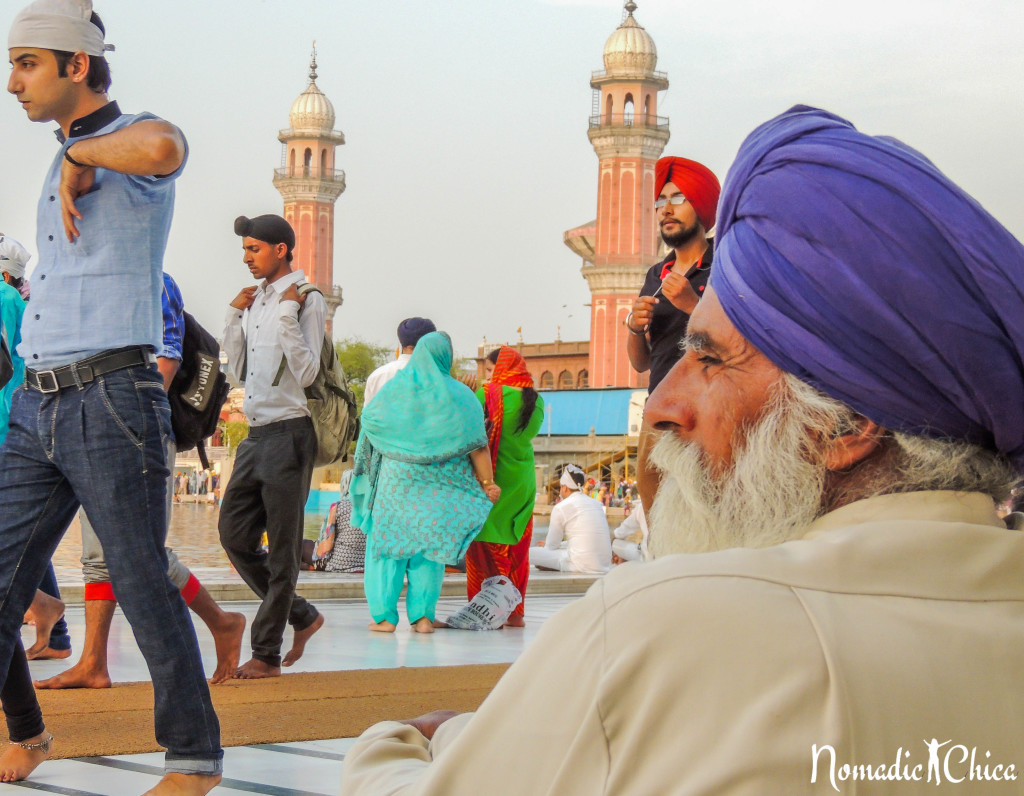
[515,412]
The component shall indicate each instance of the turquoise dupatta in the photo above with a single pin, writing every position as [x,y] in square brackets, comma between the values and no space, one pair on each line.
[421,416]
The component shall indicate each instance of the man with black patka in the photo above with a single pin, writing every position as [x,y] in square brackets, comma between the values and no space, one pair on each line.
[272,338]
[687,195]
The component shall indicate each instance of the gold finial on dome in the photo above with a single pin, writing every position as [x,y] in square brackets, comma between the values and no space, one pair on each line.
[630,7]
[312,64]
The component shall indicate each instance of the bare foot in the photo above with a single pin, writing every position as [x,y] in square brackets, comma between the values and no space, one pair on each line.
[228,642]
[382,627]
[184,785]
[82,675]
[440,625]
[45,611]
[17,762]
[299,641]
[515,620]
[423,625]
[257,670]
[47,654]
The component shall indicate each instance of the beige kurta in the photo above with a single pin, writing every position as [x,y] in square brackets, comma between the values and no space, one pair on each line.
[895,621]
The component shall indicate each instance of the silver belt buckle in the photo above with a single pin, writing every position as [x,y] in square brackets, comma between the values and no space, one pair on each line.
[53,378]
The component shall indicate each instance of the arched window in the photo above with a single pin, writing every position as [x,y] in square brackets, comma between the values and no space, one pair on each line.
[291,163]
[608,109]
[647,110]
[565,380]
[582,380]
[307,162]
[323,162]
[547,381]
[627,111]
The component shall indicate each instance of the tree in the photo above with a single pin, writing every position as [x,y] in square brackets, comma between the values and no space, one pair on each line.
[233,434]
[359,359]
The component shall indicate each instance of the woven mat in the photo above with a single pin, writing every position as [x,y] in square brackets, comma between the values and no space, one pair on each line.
[295,707]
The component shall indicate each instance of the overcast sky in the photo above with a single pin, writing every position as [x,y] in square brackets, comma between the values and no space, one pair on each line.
[466,126]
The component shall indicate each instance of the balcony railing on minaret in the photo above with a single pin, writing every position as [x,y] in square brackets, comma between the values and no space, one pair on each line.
[628,120]
[309,173]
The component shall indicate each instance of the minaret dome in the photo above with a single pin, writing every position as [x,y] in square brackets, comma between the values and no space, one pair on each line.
[630,50]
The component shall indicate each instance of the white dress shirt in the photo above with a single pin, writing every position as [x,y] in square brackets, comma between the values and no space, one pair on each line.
[582,521]
[382,376]
[272,330]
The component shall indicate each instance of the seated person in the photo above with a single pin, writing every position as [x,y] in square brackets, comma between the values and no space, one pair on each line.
[340,547]
[582,522]
[630,542]
[832,589]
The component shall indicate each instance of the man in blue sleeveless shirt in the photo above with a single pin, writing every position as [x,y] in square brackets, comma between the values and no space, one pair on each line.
[90,424]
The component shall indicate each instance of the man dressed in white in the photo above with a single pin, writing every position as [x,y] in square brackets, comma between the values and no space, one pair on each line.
[832,585]
[581,522]
[626,545]
[409,333]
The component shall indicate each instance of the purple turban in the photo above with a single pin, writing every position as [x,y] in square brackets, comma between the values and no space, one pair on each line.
[853,263]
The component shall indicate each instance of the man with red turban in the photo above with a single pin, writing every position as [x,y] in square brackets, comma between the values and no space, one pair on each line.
[686,199]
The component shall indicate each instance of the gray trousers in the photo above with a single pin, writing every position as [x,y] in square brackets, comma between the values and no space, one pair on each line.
[94,565]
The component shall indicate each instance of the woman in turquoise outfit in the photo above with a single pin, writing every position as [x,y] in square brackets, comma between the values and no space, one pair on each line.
[12,306]
[422,486]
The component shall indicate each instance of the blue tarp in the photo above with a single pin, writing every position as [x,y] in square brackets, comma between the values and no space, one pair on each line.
[576,412]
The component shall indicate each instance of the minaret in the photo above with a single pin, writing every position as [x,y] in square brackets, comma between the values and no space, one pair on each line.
[628,136]
[310,185]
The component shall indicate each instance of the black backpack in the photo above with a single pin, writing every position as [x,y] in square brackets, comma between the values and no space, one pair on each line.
[198,391]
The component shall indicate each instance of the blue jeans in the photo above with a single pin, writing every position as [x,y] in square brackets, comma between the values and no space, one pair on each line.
[101,446]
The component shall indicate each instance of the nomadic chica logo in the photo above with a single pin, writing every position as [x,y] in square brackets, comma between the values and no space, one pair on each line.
[946,764]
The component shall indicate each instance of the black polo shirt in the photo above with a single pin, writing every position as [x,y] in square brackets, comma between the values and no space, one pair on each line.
[668,325]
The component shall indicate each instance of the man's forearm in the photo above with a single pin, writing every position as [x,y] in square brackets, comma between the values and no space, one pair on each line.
[146,148]
[168,369]
[639,351]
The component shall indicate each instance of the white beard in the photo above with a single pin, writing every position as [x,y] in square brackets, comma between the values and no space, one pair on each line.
[771,494]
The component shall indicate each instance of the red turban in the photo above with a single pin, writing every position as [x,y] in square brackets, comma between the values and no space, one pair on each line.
[698,184]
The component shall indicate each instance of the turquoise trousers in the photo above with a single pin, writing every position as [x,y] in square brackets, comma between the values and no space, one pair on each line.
[383,579]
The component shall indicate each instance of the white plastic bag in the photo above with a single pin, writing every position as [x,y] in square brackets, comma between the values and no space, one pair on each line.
[490,608]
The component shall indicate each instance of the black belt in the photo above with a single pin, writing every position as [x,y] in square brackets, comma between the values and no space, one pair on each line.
[86,370]
[279,427]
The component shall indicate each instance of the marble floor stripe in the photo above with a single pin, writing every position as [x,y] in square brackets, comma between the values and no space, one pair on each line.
[44,788]
[234,784]
[294,750]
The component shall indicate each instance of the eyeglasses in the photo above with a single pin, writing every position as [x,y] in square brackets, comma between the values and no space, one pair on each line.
[673,200]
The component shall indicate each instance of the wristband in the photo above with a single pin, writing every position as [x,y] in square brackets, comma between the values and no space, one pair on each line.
[487,482]
[629,326]
[71,160]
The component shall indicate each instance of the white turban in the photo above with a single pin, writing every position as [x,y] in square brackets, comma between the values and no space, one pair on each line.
[13,257]
[567,480]
[58,25]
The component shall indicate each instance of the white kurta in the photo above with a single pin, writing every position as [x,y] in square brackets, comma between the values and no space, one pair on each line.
[896,620]
[382,376]
[581,522]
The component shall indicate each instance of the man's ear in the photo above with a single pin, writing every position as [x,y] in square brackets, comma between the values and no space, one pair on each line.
[78,67]
[859,442]
[281,249]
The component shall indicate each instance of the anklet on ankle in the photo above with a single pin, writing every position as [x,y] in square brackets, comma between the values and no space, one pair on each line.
[40,746]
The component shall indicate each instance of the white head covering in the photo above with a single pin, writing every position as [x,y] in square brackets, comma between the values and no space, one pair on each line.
[13,257]
[58,25]
[567,477]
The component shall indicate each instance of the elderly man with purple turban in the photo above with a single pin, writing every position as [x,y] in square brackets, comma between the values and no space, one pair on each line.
[834,597]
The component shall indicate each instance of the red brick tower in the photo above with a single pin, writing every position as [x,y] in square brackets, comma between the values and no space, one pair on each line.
[628,136]
[310,185]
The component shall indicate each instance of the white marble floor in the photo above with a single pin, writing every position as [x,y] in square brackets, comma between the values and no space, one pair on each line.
[291,769]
